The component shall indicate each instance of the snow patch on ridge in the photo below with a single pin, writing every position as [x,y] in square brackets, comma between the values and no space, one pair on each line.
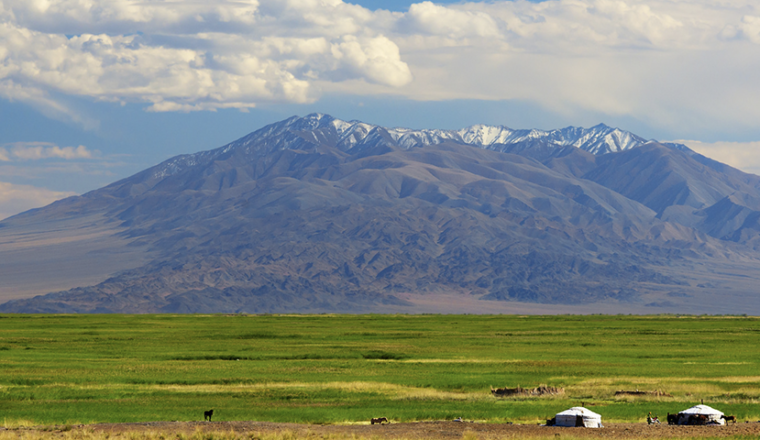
[317,129]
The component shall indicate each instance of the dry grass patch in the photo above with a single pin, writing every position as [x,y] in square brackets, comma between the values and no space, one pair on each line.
[392,391]
[17,423]
[459,361]
[682,388]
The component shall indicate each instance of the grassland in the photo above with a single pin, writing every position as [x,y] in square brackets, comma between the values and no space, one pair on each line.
[345,369]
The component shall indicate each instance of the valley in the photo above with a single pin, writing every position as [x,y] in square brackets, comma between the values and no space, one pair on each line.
[346,369]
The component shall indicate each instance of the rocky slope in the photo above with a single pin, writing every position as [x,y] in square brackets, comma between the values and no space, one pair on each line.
[316,214]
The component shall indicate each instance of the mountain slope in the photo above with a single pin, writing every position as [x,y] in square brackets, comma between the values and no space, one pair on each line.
[316,214]
[684,187]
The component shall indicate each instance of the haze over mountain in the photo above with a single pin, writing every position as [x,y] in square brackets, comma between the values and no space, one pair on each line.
[316,214]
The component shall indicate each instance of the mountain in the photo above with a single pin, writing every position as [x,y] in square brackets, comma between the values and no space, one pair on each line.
[354,137]
[687,188]
[316,214]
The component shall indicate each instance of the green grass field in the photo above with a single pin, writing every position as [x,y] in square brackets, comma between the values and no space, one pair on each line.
[347,368]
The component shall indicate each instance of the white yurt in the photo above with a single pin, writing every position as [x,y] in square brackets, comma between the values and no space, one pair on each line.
[712,416]
[578,416]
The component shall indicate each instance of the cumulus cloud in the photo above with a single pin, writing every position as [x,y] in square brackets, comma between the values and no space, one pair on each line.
[741,155]
[376,59]
[667,63]
[670,63]
[431,19]
[179,55]
[42,150]
[18,198]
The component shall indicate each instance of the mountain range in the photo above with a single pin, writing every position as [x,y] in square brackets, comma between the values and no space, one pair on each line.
[316,214]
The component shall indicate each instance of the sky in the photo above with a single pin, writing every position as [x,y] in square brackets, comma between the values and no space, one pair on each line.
[92,91]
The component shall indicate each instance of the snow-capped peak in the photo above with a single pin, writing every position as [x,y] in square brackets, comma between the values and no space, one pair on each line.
[318,130]
[600,139]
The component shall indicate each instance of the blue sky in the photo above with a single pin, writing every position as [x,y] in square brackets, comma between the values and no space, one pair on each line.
[91,92]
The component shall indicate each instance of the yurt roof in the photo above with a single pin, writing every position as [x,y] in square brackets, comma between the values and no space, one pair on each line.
[579,411]
[702,409]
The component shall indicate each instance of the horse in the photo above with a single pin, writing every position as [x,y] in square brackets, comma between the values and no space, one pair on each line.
[207,414]
[727,418]
[379,420]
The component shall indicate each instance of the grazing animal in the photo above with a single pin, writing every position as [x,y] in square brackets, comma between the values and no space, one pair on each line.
[379,420]
[727,418]
[697,419]
[207,414]
[672,419]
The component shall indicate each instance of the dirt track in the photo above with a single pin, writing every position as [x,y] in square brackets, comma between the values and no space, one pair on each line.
[437,430]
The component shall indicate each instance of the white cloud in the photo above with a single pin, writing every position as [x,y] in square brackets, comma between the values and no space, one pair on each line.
[18,198]
[41,100]
[663,62]
[741,155]
[42,150]
[185,56]
[671,63]
[376,59]
[750,28]
[432,19]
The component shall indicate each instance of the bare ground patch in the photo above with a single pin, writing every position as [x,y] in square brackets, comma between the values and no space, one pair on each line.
[247,430]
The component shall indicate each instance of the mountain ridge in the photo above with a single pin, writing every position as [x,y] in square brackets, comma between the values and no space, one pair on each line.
[346,136]
[318,214]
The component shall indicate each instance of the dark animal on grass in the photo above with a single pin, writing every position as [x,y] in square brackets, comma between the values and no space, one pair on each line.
[672,419]
[379,420]
[727,418]
[551,422]
[698,419]
[207,414]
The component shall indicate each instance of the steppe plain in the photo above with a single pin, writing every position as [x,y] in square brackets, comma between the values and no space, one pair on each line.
[282,377]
